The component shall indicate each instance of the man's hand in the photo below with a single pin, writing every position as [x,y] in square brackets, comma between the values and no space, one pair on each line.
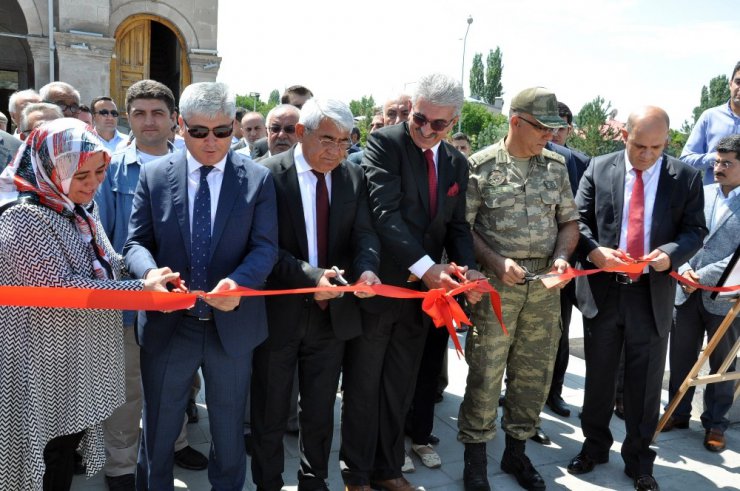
[157,279]
[324,282]
[560,266]
[367,278]
[226,304]
[509,272]
[474,296]
[690,275]
[660,261]
[442,276]
[604,258]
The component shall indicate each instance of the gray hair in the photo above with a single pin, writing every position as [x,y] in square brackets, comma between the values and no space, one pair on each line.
[440,90]
[209,99]
[38,106]
[314,111]
[60,86]
[17,95]
[282,108]
[3,117]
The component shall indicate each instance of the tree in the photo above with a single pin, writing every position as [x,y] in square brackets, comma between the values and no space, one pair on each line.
[593,136]
[474,118]
[364,107]
[477,82]
[274,99]
[252,104]
[718,93]
[494,70]
[496,129]
[676,142]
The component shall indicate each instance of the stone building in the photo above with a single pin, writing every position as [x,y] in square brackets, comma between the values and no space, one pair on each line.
[103,46]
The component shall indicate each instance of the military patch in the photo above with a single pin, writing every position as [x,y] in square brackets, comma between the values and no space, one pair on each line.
[496,177]
[550,185]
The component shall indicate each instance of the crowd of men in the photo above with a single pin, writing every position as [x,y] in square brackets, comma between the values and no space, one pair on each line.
[229,198]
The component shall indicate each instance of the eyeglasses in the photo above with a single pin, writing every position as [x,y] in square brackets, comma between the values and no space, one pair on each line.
[105,112]
[73,108]
[725,164]
[199,132]
[436,124]
[329,143]
[276,128]
[539,127]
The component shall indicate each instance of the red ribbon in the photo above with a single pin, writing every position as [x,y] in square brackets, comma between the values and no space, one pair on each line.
[699,286]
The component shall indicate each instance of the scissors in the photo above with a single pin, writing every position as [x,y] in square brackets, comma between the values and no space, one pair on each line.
[529,276]
[339,279]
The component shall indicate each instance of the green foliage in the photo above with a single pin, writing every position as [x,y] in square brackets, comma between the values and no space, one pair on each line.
[718,93]
[495,130]
[494,70]
[364,107]
[477,82]
[474,118]
[676,142]
[274,98]
[253,104]
[593,136]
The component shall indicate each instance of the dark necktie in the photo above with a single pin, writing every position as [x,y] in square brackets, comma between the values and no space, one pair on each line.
[432,179]
[322,225]
[636,221]
[201,241]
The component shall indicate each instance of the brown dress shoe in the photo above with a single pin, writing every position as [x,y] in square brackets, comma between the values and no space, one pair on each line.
[714,440]
[397,484]
[674,423]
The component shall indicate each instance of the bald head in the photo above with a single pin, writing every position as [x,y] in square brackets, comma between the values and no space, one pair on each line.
[646,136]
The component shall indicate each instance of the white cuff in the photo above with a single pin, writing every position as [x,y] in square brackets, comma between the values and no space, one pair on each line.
[420,267]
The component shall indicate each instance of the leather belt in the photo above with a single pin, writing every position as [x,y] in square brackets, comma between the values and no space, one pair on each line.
[202,319]
[624,279]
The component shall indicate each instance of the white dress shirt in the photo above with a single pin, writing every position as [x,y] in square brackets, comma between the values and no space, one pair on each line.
[420,267]
[650,178]
[721,205]
[307,185]
[214,178]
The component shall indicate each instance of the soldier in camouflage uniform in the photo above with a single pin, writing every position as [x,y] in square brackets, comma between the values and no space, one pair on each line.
[521,208]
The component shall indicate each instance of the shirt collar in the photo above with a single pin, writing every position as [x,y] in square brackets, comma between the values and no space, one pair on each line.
[732,193]
[194,165]
[728,108]
[131,156]
[648,172]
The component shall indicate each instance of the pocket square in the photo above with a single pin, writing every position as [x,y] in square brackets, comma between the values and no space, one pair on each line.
[453,190]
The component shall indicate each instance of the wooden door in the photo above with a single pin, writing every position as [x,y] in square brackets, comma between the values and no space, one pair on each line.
[132,59]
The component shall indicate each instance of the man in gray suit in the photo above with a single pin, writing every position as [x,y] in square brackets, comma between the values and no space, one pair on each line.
[696,312]
[8,146]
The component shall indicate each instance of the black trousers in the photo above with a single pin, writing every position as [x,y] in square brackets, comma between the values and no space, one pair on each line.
[567,296]
[379,381]
[59,458]
[692,321]
[420,418]
[625,319]
[317,353]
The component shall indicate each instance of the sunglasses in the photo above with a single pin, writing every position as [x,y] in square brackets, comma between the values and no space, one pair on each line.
[276,128]
[224,131]
[540,128]
[436,124]
[73,108]
[105,112]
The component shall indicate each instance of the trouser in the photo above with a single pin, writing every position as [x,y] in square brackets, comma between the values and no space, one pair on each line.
[530,313]
[59,459]
[692,321]
[121,429]
[567,295]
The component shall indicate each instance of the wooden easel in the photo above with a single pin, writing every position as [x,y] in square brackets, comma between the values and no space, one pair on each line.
[721,375]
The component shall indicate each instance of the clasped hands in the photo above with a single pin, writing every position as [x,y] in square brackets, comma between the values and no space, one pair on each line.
[606,258]
[444,276]
[511,273]
[164,279]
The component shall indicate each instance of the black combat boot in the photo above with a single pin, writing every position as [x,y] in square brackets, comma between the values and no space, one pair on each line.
[515,462]
[475,476]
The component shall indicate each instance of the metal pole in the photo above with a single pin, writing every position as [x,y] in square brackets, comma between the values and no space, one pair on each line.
[462,71]
[51,40]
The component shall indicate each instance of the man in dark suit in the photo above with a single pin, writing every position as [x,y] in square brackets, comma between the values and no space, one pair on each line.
[308,332]
[633,203]
[210,215]
[418,206]
[8,146]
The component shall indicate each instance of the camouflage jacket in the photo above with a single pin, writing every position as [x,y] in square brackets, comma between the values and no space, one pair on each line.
[518,216]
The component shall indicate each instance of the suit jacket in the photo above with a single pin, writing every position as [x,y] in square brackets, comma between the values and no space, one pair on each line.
[259,148]
[677,227]
[239,145]
[396,175]
[243,244]
[8,147]
[353,247]
[719,246]
[575,161]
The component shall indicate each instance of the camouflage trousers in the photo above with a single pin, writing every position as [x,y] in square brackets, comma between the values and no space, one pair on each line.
[532,316]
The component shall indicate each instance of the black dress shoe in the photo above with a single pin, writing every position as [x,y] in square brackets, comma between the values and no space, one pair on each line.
[646,482]
[190,458]
[433,439]
[192,411]
[540,437]
[583,463]
[558,406]
[248,443]
[619,409]
[126,482]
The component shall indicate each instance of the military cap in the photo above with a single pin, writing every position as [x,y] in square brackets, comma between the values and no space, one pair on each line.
[540,103]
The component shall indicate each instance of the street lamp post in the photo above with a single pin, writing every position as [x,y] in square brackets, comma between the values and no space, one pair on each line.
[462,71]
[254,96]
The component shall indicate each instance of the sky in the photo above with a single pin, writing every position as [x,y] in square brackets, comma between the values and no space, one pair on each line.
[631,52]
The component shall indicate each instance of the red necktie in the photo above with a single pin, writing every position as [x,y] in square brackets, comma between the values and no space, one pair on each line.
[432,178]
[322,225]
[636,221]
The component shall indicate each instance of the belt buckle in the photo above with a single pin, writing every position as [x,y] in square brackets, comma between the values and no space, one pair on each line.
[623,279]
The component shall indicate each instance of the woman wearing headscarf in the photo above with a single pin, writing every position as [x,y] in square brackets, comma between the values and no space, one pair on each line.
[61,370]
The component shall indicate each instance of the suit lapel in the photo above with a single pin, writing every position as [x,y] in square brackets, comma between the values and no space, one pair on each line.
[617,178]
[289,179]
[177,174]
[232,182]
[418,165]
[340,188]
[661,212]
[445,176]
[734,209]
